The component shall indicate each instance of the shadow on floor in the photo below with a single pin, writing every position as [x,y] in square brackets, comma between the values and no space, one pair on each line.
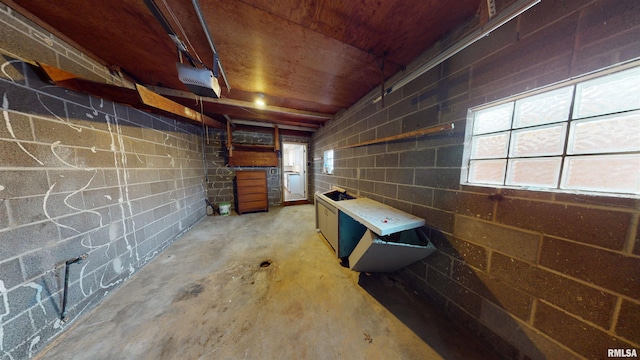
[423,318]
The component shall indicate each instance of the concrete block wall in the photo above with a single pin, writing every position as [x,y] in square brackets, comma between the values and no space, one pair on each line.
[79,175]
[219,175]
[220,186]
[537,275]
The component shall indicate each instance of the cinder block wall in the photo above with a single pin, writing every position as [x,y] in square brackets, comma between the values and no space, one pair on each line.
[79,175]
[220,175]
[536,274]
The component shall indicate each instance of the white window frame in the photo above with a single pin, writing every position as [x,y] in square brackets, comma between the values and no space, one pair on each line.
[327,159]
[508,158]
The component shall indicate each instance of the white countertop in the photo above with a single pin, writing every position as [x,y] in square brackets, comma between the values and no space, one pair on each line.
[380,218]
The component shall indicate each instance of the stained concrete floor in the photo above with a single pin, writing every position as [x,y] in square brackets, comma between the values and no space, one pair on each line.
[207,297]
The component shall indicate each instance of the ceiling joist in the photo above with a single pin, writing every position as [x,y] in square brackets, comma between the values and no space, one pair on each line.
[316,116]
[140,97]
[309,60]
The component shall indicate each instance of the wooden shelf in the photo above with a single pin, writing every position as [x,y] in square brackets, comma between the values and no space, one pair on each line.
[421,132]
[250,147]
[250,154]
[253,158]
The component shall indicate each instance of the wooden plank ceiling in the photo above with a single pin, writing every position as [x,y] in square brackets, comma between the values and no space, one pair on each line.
[310,58]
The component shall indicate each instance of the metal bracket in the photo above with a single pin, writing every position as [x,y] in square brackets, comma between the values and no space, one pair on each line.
[491,7]
[215,66]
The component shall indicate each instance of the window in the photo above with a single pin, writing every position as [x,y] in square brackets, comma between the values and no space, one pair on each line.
[328,162]
[581,137]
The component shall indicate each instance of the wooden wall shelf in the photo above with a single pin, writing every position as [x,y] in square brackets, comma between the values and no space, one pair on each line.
[250,154]
[253,158]
[421,132]
[250,147]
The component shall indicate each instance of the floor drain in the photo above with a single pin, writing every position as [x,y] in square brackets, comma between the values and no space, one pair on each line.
[265,263]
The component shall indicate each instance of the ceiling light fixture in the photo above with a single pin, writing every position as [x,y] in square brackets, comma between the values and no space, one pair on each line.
[260,100]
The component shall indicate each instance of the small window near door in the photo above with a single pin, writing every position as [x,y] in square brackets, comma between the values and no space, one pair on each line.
[584,137]
[328,162]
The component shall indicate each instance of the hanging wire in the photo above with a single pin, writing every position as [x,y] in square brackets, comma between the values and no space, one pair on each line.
[204,152]
[184,34]
[209,207]
[202,117]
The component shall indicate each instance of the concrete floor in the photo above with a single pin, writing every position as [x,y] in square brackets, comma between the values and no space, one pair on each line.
[207,297]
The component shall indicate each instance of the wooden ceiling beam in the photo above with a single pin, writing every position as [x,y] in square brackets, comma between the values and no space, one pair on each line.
[140,97]
[151,99]
[266,125]
[316,116]
[274,122]
[308,60]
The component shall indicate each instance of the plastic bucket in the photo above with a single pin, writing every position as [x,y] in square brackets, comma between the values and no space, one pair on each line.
[225,208]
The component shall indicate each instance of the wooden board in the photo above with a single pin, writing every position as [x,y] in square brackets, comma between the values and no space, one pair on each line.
[253,158]
[156,102]
[140,97]
[421,132]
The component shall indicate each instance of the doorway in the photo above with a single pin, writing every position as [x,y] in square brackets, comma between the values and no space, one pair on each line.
[294,171]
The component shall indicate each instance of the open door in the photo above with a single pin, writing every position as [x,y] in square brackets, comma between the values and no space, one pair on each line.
[294,172]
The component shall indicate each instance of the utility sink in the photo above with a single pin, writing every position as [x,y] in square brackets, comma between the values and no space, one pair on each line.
[372,236]
[336,195]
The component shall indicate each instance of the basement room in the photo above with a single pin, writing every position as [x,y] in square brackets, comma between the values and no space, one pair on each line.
[250,179]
